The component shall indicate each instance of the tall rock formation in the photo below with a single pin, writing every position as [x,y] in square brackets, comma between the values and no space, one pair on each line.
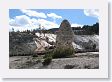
[65,35]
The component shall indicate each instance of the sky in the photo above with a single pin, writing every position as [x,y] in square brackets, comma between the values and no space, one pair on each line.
[27,19]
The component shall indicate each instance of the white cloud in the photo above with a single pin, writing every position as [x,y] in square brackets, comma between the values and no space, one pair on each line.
[47,24]
[25,27]
[92,12]
[53,15]
[34,13]
[12,22]
[34,21]
[23,22]
[19,20]
[76,25]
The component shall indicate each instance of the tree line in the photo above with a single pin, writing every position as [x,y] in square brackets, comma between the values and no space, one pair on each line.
[87,29]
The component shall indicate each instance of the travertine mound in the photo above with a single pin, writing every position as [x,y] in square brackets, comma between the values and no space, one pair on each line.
[65,35]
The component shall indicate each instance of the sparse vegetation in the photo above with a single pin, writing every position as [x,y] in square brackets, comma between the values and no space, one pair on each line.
[63,52]
[69,67]
[47,61]
[34,55]
[49,54]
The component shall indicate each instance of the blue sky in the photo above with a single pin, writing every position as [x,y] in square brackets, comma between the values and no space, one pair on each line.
[23,19]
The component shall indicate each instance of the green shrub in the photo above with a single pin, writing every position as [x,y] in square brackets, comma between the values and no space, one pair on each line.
[63,52]
[50,54]
[34,55]
[47,61]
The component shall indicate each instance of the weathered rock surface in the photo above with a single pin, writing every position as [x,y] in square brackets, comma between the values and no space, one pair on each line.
[21,44]
[65,35]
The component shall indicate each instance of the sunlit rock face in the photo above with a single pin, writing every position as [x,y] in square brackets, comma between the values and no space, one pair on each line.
[65,35]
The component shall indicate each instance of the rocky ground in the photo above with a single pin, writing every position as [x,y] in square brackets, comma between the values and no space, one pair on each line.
[88,60]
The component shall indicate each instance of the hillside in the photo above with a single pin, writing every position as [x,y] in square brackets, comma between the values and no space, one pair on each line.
[21,44]
[27,44]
